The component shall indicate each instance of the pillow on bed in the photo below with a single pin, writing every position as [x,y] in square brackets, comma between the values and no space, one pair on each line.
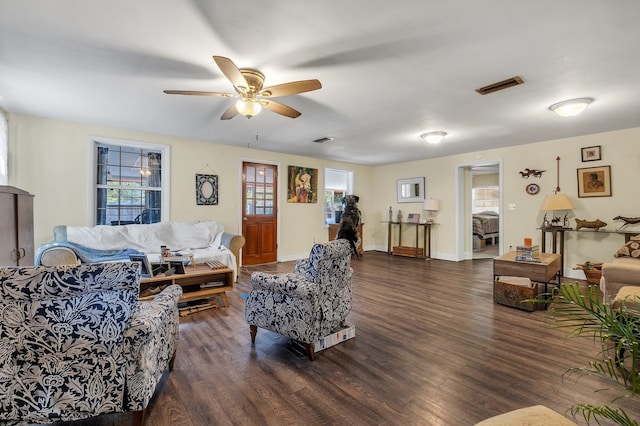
[630,249]
[489,213]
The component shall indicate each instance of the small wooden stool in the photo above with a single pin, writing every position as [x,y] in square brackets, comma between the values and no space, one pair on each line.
[537,415]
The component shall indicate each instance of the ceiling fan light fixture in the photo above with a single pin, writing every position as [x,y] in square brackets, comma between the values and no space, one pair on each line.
[433,137]
[571,108]
[248,107]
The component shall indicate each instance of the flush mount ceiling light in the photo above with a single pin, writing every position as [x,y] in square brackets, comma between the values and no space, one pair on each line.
[571,108]
[433,137]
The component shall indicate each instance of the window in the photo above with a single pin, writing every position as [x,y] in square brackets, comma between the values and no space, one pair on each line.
[4,149]
[337,184]
[485,198]
[260,189]
[129,183]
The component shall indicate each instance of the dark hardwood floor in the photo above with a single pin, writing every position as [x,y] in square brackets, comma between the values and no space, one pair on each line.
[431,348]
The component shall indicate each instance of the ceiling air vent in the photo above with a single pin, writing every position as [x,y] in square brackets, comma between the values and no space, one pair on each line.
[323,140]
[501,85]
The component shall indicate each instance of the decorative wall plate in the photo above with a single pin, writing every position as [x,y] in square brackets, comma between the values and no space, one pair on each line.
[532,189]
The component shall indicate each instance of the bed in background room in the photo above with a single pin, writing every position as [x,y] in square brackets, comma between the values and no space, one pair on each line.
[486,225]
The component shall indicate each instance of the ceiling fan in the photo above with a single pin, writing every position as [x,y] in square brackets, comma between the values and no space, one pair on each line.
[248,85]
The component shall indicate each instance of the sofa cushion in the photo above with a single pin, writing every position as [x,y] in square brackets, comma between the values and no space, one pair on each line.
[630,249]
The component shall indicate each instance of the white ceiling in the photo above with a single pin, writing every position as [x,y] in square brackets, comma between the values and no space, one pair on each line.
[390,70]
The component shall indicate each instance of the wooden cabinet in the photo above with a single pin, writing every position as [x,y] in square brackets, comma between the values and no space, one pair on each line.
[333,232]
[16,227]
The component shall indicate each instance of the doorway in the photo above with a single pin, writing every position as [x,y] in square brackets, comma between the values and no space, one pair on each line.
[485,211]
[259,213]
[479,210]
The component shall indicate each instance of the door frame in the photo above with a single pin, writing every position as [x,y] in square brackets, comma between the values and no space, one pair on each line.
[279,199]
[462,218]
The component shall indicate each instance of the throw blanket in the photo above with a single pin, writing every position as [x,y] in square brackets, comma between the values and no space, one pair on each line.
[89,255]
[148,238]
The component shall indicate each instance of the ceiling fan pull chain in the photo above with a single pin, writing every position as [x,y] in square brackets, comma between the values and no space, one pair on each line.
[257,129]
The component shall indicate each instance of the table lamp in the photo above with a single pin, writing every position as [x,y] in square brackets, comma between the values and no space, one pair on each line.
[431,206]
[552,203]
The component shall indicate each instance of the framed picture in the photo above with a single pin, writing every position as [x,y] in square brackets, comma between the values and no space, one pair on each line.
[145,266]
[594,182]
[591,153]
[206,190]
[411,190]
[303,185]
[413,218]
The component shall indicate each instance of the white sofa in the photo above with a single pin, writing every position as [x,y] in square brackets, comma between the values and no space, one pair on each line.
[205,241]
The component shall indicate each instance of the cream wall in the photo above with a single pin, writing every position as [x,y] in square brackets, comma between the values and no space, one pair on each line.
[620,150]
[49,159]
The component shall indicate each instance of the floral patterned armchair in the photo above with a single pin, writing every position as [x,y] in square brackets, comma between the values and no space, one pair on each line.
[75,342]
[307,304]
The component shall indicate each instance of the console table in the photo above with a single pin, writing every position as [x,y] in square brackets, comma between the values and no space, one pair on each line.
[410,251]
[557,239]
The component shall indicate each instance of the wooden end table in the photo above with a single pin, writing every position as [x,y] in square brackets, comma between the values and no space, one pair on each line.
[542,272]
[196,282]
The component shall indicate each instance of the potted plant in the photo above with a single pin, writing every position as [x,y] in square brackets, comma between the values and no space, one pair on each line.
[617,330]
[593,271]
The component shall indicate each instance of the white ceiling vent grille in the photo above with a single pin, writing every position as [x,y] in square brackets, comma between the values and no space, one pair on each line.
[501,85]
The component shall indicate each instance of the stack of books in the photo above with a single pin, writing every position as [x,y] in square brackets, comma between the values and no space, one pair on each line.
[528,253]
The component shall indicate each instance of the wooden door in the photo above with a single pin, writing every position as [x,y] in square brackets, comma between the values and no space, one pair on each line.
[259,213]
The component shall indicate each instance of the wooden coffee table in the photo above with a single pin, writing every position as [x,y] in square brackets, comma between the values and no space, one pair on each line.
[197,282]
[542,272]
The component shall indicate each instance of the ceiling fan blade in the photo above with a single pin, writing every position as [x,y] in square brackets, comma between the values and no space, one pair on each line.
[231,112]
[231,71]
[198,93]
[279,108]
[292,88]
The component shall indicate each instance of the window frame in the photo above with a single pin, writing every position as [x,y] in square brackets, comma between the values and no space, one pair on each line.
[165,174]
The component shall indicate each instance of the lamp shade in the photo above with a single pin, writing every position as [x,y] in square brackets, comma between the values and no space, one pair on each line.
[557,202]
[431,205]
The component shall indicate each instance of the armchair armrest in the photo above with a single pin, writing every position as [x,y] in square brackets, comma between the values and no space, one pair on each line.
[623,271]
[152,313]
[303,267]
[290,284]
[150,344]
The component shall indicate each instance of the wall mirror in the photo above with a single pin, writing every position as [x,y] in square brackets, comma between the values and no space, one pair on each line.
[411,190]
[206,189]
